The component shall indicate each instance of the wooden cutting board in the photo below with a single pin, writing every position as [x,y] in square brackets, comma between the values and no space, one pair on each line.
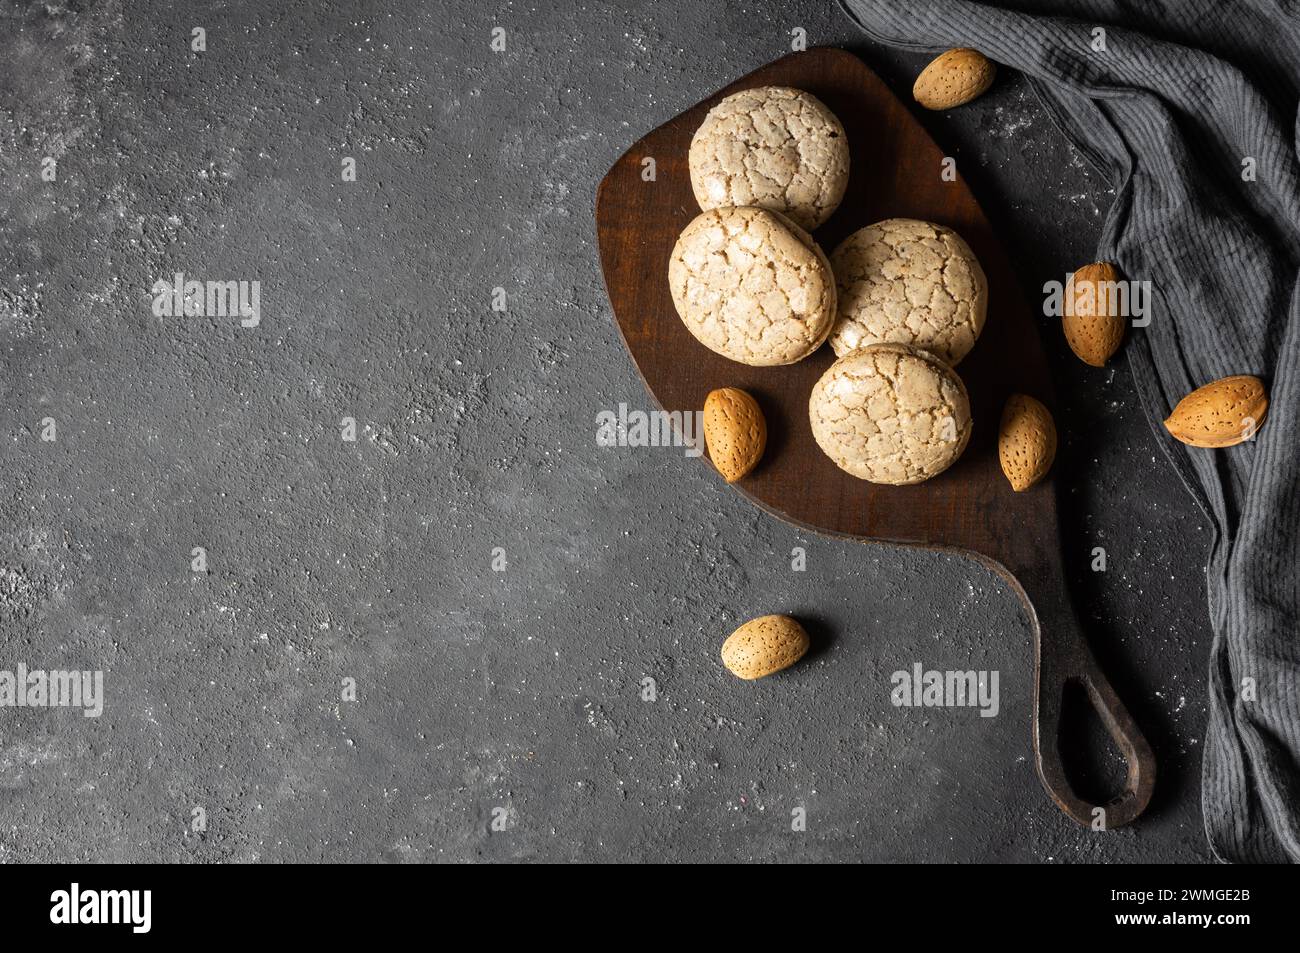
[971,509]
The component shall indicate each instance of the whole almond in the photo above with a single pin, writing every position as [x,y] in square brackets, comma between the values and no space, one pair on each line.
[1094,327]
[764,645]
[954,79]
[1221,414]
[734,431]
[1026,441]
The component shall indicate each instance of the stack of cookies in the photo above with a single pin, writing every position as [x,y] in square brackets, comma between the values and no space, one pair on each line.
[901,301]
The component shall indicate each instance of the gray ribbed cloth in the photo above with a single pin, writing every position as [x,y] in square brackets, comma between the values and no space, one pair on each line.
[1186,97]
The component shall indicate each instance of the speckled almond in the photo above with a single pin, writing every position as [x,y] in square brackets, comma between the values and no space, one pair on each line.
[1026,441]
[1220,414]
[735,431]
[954,79]
[1093,325]
[764,645]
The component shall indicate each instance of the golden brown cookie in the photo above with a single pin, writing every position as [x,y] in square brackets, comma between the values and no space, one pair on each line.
[775,148]
[906,281]
[752,286]
[891,413]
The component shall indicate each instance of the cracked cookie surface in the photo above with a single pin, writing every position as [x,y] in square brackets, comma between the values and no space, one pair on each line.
[752,286]
[775,148]
[891,413]
[908,282]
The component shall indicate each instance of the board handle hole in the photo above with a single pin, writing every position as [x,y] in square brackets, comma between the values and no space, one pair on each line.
[1094,767]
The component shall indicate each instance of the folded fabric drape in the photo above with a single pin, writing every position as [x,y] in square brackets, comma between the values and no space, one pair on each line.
[1191,110]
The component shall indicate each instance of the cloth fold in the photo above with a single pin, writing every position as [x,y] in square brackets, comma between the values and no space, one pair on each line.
[1191,110]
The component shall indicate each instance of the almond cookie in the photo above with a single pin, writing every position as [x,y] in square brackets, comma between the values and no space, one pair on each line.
[752,286]
[902,281]
[891,413]
[775,148]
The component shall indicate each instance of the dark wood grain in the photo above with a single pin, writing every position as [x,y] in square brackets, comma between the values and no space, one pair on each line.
[896,171]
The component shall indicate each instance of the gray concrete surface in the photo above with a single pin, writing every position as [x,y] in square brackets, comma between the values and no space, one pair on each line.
[479,690]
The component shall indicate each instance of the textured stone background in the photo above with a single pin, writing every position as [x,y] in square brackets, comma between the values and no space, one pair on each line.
[371,559]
